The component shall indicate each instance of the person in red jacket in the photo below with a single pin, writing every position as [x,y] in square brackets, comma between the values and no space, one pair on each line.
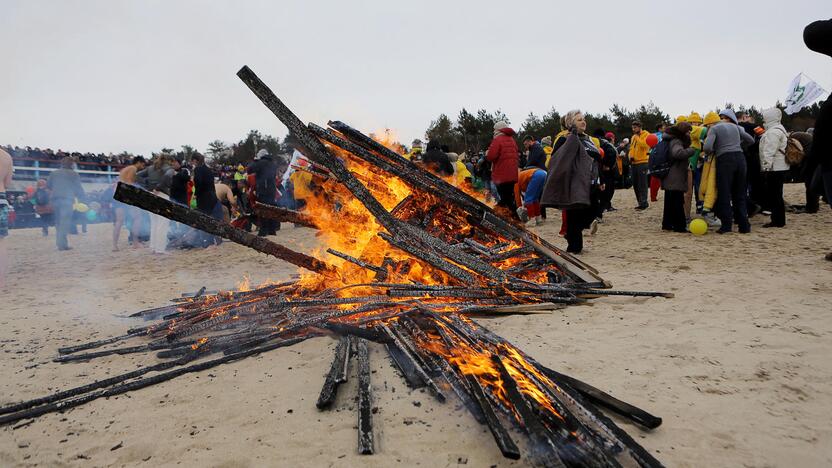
[504,158]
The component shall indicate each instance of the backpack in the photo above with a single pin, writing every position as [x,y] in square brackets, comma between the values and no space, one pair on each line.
[794,152]
[658,165]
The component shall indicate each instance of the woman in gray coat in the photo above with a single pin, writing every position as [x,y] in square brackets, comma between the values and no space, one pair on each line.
[675,183]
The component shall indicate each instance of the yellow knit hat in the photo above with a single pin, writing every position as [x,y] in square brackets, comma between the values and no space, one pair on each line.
[711,118]
[682,118]
[695,118]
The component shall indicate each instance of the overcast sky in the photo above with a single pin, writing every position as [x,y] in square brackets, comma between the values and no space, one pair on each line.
[107,76]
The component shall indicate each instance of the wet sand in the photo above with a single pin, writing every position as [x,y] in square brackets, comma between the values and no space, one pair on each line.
[738,363]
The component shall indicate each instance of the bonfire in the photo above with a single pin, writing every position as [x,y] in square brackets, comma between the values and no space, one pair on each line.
[409,262]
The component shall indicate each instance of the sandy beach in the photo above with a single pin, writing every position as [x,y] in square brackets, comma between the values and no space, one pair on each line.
[738,363]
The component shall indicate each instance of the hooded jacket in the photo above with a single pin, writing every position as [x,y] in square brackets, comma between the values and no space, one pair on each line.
[726,137]
[639,149]
[773,142]
[504,158]
[265,173]
[680,152]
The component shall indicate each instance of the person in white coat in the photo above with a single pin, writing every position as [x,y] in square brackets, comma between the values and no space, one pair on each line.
[773,164]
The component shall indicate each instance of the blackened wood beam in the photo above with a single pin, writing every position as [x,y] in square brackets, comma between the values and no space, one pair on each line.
[277,213]
[366,444]
[337,373]
[145,200]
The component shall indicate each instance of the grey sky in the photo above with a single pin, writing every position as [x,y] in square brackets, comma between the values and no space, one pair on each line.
[115,75]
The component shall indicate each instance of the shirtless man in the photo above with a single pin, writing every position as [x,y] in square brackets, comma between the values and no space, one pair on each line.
[128,176]
[226,197]
[5,181]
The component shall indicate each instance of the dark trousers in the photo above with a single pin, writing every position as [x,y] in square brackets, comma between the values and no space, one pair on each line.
[606,195]
[267,227]
[774,196]
[640,184]
[45,222]
[731,191]
[673,217]
[826,177]
[506,192]
[63,221]
[578,219]
[812,180]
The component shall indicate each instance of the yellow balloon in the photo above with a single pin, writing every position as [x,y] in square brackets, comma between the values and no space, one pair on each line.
[81,208]
[698,227]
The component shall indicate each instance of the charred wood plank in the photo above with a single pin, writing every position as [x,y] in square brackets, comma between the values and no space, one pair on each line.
[361,263]
[429,257]
[419,369]
[501,436]
[457,293]
[544,447]
[541,308]
[605,400]
[138,197]
[96,354]
[479,248]
[455,379]
[277,213]
[365,400]
[405,366]
[99,343]
[511,253]
[337,373]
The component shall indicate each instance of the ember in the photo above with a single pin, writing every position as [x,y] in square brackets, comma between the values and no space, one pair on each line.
[408,259]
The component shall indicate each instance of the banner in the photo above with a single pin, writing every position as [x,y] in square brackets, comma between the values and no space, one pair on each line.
[802,92]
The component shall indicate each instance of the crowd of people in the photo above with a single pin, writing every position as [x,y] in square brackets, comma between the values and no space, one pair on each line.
[27,156]
[730,165]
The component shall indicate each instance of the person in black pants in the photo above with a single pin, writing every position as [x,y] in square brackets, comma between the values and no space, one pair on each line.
[725,140]
[675,183]
[578,219]
[206,195]
[608,170]
[772,161]
[265,175]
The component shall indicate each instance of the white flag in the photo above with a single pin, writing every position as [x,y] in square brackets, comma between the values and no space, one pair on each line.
[802,92]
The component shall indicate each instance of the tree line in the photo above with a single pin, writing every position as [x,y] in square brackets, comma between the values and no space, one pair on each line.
[472,132]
